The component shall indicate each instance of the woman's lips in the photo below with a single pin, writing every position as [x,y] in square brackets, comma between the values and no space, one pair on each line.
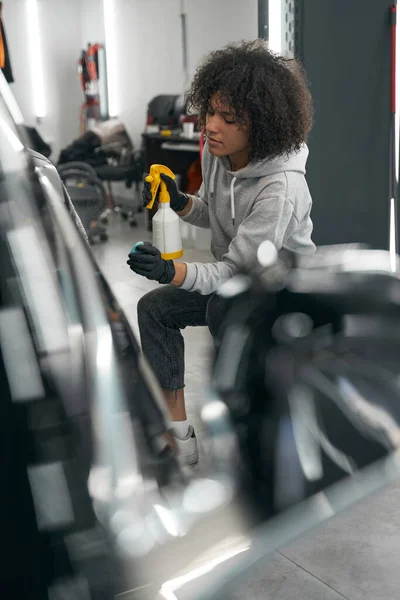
[213,141]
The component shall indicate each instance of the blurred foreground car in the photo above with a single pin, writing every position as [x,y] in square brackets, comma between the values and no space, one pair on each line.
[301,417]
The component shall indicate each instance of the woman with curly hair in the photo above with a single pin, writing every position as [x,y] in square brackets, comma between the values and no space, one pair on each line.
[256,110]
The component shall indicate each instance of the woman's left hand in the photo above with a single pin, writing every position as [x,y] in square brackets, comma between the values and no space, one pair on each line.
[147,261]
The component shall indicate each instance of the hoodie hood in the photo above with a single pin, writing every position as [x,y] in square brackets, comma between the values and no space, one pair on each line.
[295,161]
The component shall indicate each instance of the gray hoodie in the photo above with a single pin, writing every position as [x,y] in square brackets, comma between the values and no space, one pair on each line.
[266,200]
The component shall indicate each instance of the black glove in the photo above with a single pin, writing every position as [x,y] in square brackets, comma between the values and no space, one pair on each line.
[147,261]
[178,199]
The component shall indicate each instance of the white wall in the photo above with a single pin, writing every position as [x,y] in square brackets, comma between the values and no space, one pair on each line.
[61,42]
[150,56]
[91,22]
[214,23]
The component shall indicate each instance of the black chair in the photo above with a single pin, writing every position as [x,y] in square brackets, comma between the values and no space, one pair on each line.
[124,164]
[109,150]
[88,196]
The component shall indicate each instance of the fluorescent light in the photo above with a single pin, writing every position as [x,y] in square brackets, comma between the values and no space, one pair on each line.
[36,59]
[275,25]
[111,55]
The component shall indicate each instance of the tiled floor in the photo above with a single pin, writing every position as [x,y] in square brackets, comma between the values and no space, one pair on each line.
[355,556]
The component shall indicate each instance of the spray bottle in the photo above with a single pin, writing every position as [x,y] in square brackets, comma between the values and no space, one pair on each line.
[166,229]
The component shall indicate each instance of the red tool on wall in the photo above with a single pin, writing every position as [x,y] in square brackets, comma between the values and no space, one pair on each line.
[5,63]
[88,68]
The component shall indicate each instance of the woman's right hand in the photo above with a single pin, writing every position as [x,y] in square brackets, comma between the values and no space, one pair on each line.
[178,200]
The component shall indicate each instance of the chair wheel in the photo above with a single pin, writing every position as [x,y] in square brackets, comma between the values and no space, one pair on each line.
[124,216]
[140,209]
[133,223]
[104,236]
[104,221]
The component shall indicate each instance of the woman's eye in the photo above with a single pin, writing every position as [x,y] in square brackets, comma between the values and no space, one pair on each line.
[229,122]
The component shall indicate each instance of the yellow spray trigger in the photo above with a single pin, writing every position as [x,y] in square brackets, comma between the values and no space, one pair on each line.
[155,181]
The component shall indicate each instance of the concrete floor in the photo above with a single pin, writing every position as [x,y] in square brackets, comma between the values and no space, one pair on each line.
[355,556]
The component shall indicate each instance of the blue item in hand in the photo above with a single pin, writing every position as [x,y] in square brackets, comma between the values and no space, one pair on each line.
[148,263]
[135,246]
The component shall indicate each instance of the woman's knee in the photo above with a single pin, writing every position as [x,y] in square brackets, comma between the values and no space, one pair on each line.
[151,303]
[157,303]
[216,310]
[147,302]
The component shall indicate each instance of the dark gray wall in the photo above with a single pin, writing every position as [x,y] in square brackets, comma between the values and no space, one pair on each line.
[345,48]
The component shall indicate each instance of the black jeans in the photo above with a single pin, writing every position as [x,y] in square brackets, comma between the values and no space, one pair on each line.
[162,313]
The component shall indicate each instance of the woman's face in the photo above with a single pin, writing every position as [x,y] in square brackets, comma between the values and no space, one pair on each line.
[224,136]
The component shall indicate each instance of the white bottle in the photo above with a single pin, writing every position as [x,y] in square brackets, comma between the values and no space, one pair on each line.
[166,227]
[166,232]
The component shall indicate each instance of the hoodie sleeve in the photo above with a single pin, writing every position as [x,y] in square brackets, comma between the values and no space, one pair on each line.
[270,219]
[198,214]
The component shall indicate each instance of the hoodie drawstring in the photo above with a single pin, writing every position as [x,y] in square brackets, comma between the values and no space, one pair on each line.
[233,200]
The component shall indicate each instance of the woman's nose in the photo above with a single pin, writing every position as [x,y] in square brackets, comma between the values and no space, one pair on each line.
[212,124]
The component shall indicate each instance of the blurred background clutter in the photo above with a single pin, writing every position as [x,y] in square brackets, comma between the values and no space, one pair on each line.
[296,404]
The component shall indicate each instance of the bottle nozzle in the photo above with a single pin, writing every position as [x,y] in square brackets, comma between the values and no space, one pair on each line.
[155,181]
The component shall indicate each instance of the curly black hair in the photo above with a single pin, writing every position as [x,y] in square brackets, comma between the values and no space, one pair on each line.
[266,92]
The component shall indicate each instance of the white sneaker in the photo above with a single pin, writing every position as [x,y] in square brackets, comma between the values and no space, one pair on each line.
[188,452]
